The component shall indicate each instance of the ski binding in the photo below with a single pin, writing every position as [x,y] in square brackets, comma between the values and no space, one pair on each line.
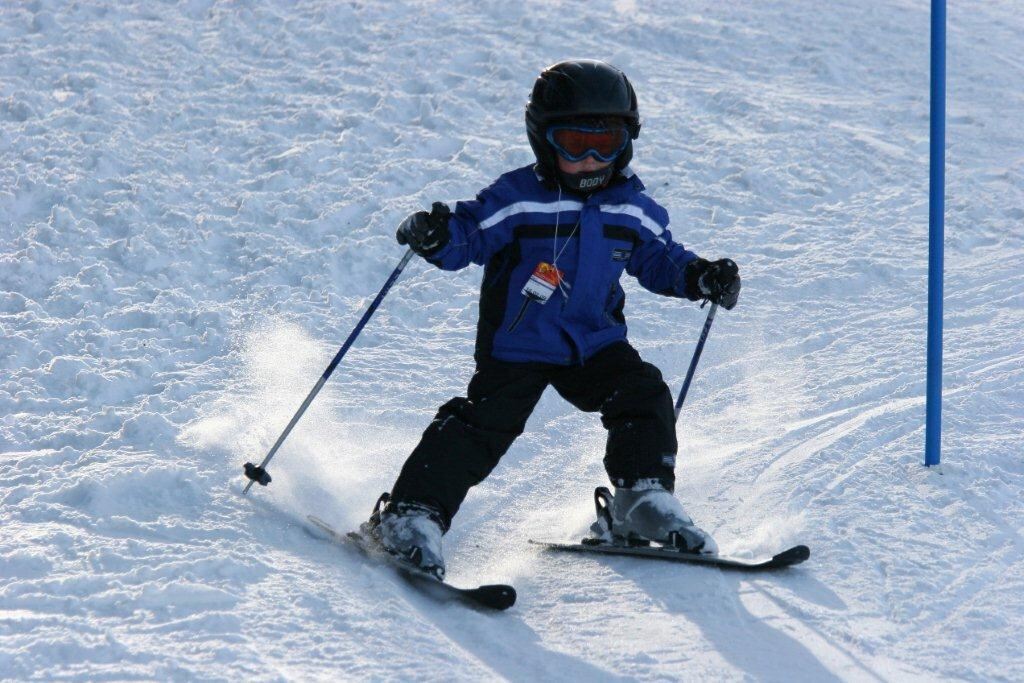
[496,597]
[609,544]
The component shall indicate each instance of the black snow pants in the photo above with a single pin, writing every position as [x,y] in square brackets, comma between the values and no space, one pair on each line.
[469,435]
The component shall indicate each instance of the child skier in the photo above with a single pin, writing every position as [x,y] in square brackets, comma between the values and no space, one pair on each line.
[554,238]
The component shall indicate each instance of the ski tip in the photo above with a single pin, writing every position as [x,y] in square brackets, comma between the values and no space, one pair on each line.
[794,555]
[496,596]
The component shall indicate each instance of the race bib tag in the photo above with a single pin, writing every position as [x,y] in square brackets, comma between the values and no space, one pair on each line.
[543,282]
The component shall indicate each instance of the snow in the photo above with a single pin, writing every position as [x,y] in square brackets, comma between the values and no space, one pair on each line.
[198,200]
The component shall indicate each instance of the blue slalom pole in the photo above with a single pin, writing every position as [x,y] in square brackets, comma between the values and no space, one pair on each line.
[259,474]
[936,229]
[696,356]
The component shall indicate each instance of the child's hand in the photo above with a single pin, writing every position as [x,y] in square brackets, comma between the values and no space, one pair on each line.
[426,233]
[717,281]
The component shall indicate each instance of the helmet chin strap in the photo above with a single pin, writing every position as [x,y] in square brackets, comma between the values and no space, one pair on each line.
[587,181]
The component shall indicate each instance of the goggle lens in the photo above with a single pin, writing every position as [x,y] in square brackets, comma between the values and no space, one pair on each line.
[576,143]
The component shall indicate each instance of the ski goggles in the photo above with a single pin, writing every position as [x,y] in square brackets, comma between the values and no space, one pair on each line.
[576,143]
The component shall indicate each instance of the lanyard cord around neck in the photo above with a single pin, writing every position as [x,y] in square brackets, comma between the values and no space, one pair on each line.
[554,240]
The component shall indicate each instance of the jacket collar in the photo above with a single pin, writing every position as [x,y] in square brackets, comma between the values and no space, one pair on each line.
[623,184]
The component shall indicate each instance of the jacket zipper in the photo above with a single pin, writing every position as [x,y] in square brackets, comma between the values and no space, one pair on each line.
[519,316]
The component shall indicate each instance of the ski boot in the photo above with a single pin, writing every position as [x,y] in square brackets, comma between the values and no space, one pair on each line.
[644,514]
[410,531]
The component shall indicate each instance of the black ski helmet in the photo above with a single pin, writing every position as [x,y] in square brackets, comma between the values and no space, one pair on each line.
[575,89]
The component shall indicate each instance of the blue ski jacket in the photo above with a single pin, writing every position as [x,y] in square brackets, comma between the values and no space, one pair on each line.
[520,226]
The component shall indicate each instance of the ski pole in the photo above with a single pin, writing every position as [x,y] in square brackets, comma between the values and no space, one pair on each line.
[696,357]
[259,474]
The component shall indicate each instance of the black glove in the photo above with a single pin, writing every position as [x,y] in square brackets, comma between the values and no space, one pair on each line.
[717,281]
[426,233]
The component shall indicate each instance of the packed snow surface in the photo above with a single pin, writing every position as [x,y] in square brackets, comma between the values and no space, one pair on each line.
[198,200]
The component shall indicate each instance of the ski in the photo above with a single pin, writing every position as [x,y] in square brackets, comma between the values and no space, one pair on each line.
[786,558]
[496,597]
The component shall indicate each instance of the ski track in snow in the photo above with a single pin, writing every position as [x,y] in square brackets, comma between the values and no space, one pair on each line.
[198,199]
